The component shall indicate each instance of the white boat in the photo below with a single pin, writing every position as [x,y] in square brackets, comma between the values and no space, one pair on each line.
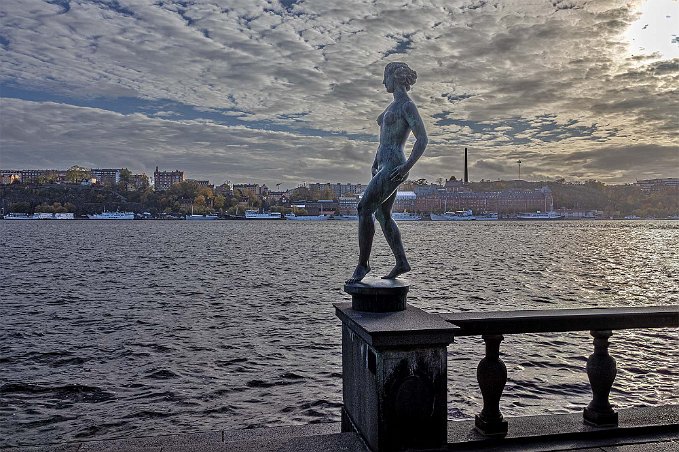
[43,216]
[405,216]
[255,215]
[112,216]
[18,216]
[64,216]
[292,216]
[539,216]
[201,217]
[459,215]
[345,217]
[490,216]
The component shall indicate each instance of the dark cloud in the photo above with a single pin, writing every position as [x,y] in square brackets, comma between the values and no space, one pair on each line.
[283,79]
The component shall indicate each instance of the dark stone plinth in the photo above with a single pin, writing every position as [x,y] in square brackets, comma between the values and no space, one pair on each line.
[394,374]
[378,295]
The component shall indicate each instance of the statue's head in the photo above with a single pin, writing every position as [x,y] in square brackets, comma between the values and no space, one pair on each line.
[397,73]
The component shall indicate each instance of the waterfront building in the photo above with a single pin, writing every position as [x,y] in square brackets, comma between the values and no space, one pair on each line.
[505,201]
[280,197]
[347,205]
[224,189]
[405,201]
[34,176]
[319,190]
[259,190]
[163,180]
[106,176]
[456,185]
[320,207]
[139,182]
[651,185]
[10,177]
[200,183]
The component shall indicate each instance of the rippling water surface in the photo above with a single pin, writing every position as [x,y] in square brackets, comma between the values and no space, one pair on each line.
[111,329]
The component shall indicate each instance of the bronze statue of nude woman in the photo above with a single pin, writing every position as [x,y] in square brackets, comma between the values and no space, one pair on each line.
[389,169]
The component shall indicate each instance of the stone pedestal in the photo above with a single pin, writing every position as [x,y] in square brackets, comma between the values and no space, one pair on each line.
[378,295]
[394,370]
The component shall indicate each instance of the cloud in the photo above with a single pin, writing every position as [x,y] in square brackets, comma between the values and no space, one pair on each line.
[56,132]
[505,78]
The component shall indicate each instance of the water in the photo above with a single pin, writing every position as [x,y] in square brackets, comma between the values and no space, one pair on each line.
[112,329]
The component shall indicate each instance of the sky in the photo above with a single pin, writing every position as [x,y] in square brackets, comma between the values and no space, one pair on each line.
[287,92]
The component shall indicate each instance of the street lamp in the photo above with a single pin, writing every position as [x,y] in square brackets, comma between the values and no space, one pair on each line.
[519,162]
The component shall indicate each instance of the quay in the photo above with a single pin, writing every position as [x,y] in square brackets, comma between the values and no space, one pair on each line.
[395,376]
[641,429]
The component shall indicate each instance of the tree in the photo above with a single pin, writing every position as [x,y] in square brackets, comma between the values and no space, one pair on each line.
[327,194]
[125,175]
[48,178]
[20,207]
[219,202]
[300,193]
[125,178]
[77,174]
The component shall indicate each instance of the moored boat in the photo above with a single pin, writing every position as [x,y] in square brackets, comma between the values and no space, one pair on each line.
[18,216]
[405,216]
[201,217]
[539,216]
[490,216]
[345,217]
[112,216]
[292,216]
[459,215]
[255,215]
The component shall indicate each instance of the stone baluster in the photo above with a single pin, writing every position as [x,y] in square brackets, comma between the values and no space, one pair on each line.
[492,376]
[601,372]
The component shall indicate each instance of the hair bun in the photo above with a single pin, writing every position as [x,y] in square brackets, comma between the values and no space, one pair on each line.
[402,72]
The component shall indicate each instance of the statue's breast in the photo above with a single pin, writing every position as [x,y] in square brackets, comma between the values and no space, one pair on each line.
[389,118]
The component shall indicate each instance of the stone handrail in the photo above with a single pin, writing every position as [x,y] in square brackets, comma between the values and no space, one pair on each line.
[559,320]
[601,367]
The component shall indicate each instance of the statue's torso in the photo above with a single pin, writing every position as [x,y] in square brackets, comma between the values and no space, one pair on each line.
[394,131]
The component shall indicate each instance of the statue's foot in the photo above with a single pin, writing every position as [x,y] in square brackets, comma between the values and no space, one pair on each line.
[399,269]
[359,273]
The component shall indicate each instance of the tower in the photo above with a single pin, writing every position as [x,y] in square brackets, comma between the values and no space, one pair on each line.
[466,172]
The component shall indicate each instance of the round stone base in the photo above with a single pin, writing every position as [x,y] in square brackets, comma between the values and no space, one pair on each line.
[378,295]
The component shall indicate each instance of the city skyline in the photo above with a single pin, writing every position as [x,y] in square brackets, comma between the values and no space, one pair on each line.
[288,92]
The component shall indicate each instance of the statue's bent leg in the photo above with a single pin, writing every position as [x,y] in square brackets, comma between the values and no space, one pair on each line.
[393,237]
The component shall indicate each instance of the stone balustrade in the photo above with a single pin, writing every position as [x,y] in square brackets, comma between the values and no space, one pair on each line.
[601,367]
[395,367]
